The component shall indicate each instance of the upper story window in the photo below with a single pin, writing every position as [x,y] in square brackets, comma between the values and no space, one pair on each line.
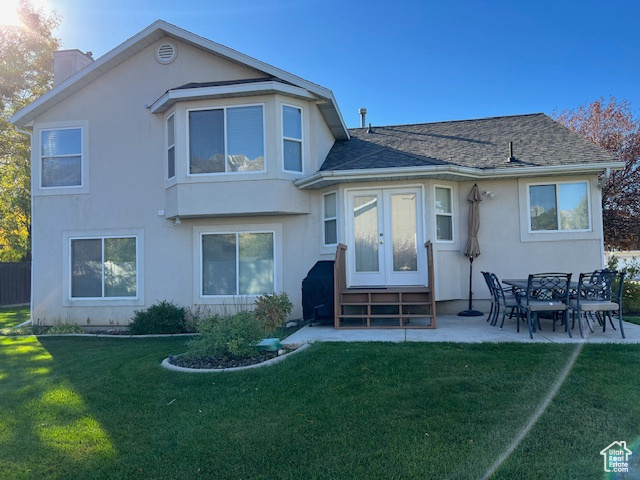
[225,140]
[292,138]
[171,147]
[559,207]
[444,214]
[330,218]
[61,157]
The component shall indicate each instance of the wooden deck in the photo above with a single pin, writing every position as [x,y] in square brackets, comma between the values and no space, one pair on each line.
[384,307]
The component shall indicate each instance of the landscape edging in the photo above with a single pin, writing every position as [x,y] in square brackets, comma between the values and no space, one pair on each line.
[165,364]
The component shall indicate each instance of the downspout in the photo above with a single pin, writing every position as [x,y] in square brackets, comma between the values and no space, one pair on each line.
[27,132]
[601,183]
[606,175]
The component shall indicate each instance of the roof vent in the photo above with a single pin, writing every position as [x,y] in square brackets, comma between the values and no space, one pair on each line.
[363,117]
[166,53]
[511,158]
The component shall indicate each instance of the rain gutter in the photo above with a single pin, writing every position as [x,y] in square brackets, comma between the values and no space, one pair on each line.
[332,177]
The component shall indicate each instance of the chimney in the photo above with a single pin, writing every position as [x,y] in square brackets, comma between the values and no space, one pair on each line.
[68,62]
[363,117]
[511,158]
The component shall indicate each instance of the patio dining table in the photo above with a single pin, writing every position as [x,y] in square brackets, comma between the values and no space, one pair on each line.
[520,284]
[520,287]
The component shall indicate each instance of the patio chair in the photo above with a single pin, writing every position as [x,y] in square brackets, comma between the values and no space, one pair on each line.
[607,282]
[599,291]
[487,279]
[546,293]
[504,301]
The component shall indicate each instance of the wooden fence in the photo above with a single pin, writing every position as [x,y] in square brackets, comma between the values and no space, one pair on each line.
[15,283]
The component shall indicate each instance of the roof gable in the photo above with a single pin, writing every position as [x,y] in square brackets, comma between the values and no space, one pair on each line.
[156,31]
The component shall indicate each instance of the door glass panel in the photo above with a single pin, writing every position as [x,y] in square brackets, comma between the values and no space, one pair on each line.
[365,228]
[403,232]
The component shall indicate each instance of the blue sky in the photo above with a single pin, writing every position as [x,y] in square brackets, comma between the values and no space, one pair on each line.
[405,61]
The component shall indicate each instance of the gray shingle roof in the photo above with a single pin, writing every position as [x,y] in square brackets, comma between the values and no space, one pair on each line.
[232,82]
[483,143]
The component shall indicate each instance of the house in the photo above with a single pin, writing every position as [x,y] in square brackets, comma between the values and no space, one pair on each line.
[176,168]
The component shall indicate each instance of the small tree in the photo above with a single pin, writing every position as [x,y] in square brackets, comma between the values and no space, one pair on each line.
[26,73]
[612,126]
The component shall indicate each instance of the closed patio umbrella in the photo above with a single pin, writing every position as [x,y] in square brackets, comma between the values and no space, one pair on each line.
[472,250]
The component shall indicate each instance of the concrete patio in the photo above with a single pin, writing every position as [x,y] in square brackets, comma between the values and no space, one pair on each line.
[451,328]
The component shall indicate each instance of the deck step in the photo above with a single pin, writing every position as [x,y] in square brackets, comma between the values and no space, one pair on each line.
[383,307]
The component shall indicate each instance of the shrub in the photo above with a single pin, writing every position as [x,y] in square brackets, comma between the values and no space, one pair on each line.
[230,336]
[163,317]
[272,310]
[630,298]
[65,328]
[194,315]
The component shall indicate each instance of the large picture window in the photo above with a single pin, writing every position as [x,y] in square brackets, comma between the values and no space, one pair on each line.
[292,138]
[444,214]
[104,267]
[226,140]
[559,207]
[237,263]
[61,157]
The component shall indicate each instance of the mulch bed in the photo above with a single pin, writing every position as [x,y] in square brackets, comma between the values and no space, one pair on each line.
[109,331]
[223,362]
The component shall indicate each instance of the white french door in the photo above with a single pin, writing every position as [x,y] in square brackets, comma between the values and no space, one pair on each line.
[384,228]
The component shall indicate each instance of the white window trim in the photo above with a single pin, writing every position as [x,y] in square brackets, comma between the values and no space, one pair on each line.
[559,220]
[168,146]
[299,140]
[236,233]
[225,108]
[68,300]
[36,157]
[230,300]
[451,214]
[325,219]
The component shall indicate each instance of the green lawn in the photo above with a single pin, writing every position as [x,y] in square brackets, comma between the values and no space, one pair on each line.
[103,408]
[631,319]
[12,316]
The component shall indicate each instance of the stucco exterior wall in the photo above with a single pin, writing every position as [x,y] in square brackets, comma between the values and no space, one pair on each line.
[125,191]
[507,248]
[510,251]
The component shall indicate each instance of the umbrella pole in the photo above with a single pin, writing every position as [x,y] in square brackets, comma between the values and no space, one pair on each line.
[470,312]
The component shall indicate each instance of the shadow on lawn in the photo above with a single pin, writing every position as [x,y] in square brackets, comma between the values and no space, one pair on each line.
[44,418]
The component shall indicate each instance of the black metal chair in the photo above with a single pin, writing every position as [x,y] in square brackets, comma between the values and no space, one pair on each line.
[492,310]
[599,291]
[504,301]
[546,293]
